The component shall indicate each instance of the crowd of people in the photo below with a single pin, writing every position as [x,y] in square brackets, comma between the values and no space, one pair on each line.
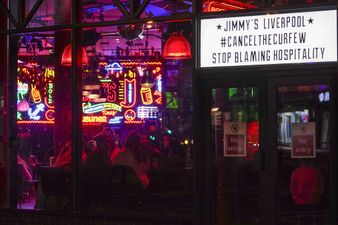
[148,158]
[137,152]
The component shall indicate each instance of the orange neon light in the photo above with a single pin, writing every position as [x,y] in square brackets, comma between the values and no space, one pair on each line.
[35,94]
[25,70]
[46,103]
[146,96]
[49,115]
[139,63]
[94,119]
[130,115]
[224,5]
[134,121]
[34,122]
[109,113]
[159,99]
[129,89]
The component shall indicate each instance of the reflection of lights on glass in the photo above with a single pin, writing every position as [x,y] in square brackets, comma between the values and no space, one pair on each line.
[149,24]
[214,109]
[186,141]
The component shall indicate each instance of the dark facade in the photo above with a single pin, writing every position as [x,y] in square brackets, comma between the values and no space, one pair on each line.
[236,128]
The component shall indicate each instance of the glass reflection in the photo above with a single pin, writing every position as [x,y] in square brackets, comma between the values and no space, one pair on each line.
[303,123]
[43,119]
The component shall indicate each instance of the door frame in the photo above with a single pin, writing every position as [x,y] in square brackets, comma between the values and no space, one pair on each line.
[325,77]
[222,80]
[266,81]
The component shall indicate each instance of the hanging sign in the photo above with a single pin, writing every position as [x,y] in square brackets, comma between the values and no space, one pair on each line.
[305,37]
[303,140]
[234,139]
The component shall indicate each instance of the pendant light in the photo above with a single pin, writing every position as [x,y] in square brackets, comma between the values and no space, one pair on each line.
[147,80]
[66,59]
[176,47]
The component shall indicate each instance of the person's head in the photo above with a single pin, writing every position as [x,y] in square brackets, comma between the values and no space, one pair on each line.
[144,140]
[110,132]
[133,145]
[90,146]
[104,143]
[132,140]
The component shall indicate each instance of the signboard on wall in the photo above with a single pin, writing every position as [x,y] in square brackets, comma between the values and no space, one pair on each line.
[303,140]
[304,37]
[234,139]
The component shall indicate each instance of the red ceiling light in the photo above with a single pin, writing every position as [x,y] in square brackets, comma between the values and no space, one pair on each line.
[176,47]
[66,59]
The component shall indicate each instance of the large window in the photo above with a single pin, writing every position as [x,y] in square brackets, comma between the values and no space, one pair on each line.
[136,121]
[130,103]
[43,121]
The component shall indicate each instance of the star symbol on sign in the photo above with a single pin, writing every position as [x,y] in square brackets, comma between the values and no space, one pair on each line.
[219,26]
[310,20]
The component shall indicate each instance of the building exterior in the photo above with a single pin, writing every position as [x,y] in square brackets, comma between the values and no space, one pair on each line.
[168,112]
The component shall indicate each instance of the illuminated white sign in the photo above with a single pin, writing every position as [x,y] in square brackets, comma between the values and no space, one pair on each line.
[305,37]
[147,112]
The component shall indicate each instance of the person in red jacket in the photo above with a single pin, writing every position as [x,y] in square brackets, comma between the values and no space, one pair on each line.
[306,185]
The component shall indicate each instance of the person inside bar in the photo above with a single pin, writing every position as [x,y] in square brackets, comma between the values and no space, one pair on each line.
[64,158]
[97,167]
[133,156]
[151,149]
[89,148]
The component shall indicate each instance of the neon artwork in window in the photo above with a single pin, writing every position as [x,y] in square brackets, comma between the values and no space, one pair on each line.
[120,96]
[35,94]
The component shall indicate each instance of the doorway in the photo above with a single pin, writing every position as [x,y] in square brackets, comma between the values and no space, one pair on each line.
[270,145]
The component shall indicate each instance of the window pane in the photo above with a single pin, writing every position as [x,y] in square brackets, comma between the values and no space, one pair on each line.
[303,123]
[99,11]
[136,123]
[236,155]
[43,122]
[49,13]
[228,5]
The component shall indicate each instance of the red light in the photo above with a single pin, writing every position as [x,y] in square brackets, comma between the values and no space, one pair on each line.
[177,47]
[66,59]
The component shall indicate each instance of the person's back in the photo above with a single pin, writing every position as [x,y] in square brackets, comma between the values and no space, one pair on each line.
[306,185]
[97,167]
[133,157]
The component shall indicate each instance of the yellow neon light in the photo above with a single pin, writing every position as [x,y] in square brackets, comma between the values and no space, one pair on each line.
[35,93]
[146,96]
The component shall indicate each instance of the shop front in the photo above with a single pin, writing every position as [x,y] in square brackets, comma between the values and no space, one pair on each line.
[168,112]
[268,103]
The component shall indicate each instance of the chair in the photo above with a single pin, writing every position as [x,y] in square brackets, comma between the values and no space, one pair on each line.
[54,181]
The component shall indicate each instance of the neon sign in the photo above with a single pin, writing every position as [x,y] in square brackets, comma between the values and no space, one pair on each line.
[146,96]
[146,112]
[35,95]
[34,114]
[88,109]
[123,98]
[94,119]
[116,120]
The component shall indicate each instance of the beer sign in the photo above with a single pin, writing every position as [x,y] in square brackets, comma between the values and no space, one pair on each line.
[234,139]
